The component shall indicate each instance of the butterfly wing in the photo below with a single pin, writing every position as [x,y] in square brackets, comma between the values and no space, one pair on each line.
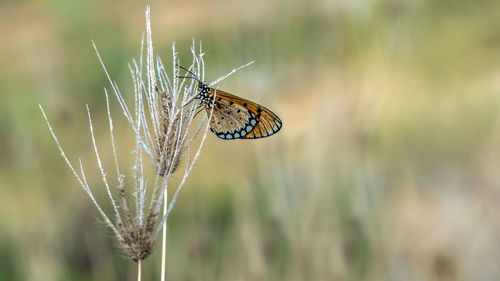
[237,118]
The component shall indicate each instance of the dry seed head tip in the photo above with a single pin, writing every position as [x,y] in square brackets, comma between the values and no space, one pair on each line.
[171,140]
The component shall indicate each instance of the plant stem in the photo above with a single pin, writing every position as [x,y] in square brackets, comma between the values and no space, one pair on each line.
[164,239]
[139,270]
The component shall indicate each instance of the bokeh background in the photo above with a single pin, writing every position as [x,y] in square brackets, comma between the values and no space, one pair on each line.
[387,167]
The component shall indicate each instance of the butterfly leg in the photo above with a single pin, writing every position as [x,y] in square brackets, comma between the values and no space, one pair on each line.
[200,108]
[191,100]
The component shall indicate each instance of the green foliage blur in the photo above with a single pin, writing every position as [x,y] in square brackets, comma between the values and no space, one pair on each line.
[387,167]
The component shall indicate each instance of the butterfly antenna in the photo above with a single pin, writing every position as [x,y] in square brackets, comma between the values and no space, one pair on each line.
[190,72]
[190,77]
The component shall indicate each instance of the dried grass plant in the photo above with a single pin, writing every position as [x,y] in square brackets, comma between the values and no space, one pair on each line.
[162,124]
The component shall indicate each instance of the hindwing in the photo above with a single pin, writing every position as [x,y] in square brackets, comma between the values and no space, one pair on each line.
[237,118]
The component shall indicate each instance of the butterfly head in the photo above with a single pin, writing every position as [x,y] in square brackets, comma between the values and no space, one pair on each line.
[203,92]
[200,86]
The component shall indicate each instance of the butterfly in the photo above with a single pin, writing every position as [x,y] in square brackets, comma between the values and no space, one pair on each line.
[234,117]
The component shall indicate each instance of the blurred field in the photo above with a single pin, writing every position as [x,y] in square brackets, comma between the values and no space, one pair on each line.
[386,168]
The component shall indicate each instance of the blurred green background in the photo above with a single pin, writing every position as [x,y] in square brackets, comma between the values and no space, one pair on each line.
[386,168]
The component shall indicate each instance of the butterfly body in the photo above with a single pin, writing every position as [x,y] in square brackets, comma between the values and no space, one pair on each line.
[234,117]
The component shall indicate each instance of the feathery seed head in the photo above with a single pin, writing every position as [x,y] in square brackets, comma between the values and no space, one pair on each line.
[162,124]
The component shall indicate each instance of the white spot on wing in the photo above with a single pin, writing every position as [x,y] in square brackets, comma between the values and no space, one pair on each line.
[253,122]
[249,128]
[236,135]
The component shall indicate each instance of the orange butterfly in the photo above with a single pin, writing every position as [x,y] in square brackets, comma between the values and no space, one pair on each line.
[234,117]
